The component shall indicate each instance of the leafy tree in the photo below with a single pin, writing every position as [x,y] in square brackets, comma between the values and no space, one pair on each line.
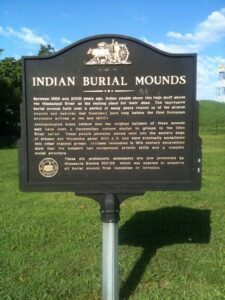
[11,93]
[45,50]
[10,96]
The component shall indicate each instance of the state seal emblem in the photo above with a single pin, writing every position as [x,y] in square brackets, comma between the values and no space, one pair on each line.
[48,167]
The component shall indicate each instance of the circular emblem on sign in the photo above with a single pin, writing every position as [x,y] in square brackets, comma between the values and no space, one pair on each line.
[48,167]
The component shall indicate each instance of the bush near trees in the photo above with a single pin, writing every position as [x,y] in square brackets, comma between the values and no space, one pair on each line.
[11,95]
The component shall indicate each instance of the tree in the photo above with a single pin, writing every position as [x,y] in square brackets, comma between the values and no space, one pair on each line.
[11,93]
[45,50]
[10,96]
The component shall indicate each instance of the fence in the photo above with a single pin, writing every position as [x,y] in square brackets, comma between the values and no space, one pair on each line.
[8,140]
[215,126]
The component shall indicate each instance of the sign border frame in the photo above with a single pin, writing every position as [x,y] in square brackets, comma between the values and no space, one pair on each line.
[115,187]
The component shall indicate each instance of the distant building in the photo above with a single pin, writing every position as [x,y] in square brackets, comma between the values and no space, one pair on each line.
[220,89]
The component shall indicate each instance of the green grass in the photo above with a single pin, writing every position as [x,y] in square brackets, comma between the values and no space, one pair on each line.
[211,110]
[212,117]
[172,244]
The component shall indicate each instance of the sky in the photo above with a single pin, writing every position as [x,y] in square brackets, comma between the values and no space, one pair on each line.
[175,26]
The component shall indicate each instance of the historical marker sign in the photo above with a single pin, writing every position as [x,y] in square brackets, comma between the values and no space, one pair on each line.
[110,114]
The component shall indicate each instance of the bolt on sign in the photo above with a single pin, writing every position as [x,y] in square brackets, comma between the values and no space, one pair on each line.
[110,114]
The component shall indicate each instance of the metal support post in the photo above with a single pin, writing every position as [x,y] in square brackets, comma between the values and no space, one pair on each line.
[110,264]
[110,269]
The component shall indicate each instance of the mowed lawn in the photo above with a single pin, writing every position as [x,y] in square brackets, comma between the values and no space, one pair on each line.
[172,244]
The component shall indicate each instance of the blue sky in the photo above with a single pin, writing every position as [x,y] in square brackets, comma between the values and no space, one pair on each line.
[173,26]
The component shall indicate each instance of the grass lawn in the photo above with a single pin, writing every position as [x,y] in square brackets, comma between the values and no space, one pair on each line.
[172,244]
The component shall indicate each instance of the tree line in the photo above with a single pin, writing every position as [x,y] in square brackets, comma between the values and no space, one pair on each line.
[11,95]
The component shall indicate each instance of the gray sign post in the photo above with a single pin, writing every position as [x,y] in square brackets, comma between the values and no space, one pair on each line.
[110,264]
[110,270]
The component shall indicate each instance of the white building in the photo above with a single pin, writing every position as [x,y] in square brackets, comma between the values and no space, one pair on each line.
[220,89]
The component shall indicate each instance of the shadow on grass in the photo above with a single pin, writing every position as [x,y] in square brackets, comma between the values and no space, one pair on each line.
[163,227]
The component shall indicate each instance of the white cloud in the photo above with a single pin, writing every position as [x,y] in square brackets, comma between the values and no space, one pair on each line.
[25,34]
[210,31]
[207,68]
[65,41]
[30,53]
[172,47]
[207,32]
[2,31]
